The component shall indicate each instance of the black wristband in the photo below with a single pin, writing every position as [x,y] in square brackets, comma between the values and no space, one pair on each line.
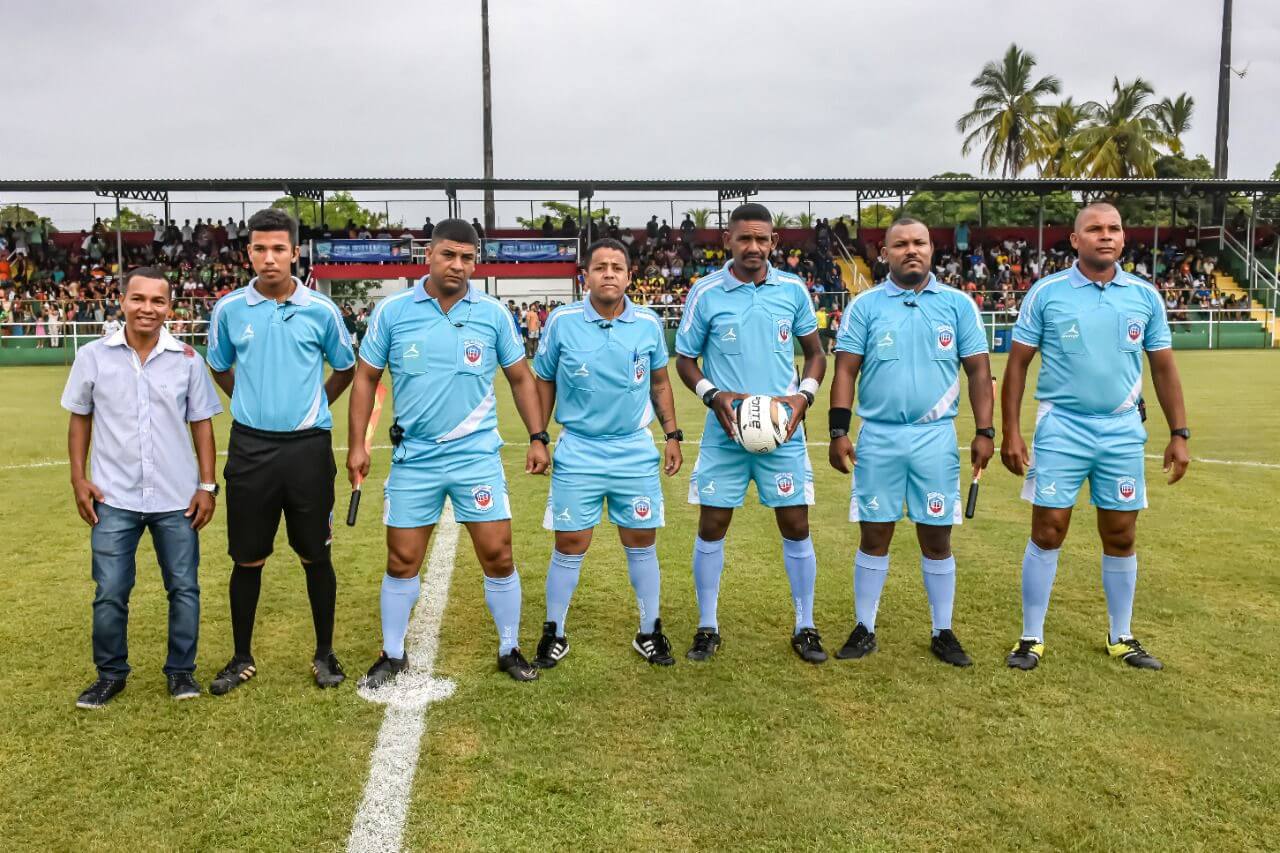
[808,395]
[839,419]
[709,396]
[986,432]
[540,436]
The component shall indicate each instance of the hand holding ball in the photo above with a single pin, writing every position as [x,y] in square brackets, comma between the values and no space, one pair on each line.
[760,423]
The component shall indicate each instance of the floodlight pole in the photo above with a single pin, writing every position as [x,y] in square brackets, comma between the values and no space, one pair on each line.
[1040,236]
[490,217]
[1155,239]
[119,241]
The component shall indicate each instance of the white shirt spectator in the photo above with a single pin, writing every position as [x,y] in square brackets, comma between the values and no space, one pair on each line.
[110,327]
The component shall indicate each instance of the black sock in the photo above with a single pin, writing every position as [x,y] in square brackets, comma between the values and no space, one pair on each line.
[246,583]
[322,591]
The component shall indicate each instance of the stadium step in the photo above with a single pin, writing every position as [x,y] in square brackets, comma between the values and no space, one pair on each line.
[856,276]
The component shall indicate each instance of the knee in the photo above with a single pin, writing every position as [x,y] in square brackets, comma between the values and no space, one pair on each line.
[794,529]
[1049,533]
[712,530]
[875,539]
[1119,542]
[572,543]
[495,559]
[935,548]
[114,589]
[403,562]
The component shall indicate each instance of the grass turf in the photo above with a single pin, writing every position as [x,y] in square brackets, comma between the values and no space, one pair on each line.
[753,751]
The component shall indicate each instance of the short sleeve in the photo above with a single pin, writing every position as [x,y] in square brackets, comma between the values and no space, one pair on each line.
[970,332]
[221,352]
[805,320]
[852,337]
[337,342]
[1030,326]
[202,397]
[548,354]
[692,335]
[660,357]
[77,396]
[510,347]
[1157,336]
[377,338]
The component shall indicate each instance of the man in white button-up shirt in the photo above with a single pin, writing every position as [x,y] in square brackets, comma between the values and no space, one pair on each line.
[135,392]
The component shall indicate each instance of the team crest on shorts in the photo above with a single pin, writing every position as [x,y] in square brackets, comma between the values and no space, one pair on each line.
[1127,488]
[639,367]
[935,504]
[641,508]
[786,484]
[472,352]
[946,337]
[1133,330]
[784,331]
[483,496]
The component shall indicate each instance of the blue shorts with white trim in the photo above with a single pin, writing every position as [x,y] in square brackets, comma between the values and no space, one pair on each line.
[1070,447]
[915,464]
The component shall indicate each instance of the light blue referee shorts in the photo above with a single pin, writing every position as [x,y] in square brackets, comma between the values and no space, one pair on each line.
[576,500]
[783,477]
[915,464]
[420,479]
[1106,449]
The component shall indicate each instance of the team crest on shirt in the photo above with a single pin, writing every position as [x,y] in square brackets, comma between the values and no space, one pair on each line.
[786,483]
[641,508]
[935,504]
[472,352]
[784,331]
[483,497]
[946,337]
[1133,330]
[639,367]
[1127,487]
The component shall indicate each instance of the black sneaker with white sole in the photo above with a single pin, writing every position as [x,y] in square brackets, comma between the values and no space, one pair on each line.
[514,665]
[946,648]
[808,645]
[183,685]
[98,694]
[551,648]
[236,672]
[705,644]
[654,646]
[384,670]
[328,671]
[860,644]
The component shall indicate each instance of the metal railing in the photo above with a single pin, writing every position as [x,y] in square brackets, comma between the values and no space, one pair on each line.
[39,334]
[860,281]
[1256,276]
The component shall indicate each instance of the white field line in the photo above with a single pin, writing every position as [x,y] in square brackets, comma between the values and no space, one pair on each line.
[379,822]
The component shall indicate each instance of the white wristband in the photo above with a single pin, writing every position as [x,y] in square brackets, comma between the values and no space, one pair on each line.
[704,385]
[809,384]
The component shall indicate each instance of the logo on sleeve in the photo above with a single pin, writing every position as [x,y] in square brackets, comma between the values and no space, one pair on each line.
[641,508]
[786,483]
[946,337]
[935,504]
[483,497]
[1133,330]
[784,331]
[472,352]
[1127,487]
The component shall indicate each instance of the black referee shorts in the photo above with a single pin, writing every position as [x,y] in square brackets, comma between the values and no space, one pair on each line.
[273,473]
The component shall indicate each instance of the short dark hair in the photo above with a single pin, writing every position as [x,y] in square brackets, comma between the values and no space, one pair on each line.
[144,272]
[274,219]
[605,243]
[751,212]
[904,220]
[457,230]
[1100,202]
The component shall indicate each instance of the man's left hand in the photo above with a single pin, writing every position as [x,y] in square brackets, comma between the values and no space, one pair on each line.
[799,404]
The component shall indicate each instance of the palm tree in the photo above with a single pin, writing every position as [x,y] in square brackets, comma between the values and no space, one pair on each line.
[805,220]
[782,219]
[1002,115]
[701,216]
[1120,137]
[1050,147]
[1175,120]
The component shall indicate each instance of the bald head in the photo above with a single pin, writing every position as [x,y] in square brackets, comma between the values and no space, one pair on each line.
[1098,238]
[1093,208]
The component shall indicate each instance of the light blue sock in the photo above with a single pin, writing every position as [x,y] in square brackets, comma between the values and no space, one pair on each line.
[502,597]
[708,565]
[1039,566]
[802,571]
[869,574]
[1119,579]
[940,586]
[398,597]
[562,580]
[642,568]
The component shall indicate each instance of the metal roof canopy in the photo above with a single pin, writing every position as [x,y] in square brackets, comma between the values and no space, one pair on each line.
[869,188]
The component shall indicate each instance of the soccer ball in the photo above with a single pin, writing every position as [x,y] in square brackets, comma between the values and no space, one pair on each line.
[761,423]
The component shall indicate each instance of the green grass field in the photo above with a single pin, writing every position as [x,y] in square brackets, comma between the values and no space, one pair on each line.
[753,751]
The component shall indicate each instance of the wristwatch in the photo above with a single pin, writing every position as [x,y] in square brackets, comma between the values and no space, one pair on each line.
[1182,432]
[543,436]
[675,435]
[211,488]
[808,395]
[986,432]
[839,433]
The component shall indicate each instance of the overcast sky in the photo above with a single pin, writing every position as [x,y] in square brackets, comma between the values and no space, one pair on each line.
[584,88]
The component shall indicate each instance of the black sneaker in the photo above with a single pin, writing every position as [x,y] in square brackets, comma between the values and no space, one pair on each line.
[514,665]
[1026,655]
[384,670]
[705,644]
[946,648]
[860,644]
[98,694]
[328,671]
[183,685]
[551,649]
[654,647]
[808,645]
[236,672]
[1129,650]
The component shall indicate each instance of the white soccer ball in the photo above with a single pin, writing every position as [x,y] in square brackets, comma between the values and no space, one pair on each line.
[761,423]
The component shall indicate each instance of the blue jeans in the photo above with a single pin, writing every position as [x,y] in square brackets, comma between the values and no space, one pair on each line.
[115,544]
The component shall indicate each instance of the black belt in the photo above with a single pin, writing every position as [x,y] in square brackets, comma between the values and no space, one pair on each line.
[274,435]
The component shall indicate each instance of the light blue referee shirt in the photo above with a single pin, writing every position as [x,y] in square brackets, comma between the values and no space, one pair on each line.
[278,350]
[601,372]
[911,346]
[141,457]
[442,365]
[1091,338]
[744,334]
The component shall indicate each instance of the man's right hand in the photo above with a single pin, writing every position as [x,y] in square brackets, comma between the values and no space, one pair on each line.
[842,455]
[1014,454]
[357,465]
[86,493]
[722,405]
